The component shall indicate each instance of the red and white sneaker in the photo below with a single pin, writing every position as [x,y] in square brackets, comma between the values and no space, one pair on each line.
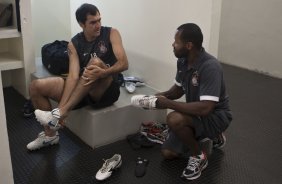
[195,166]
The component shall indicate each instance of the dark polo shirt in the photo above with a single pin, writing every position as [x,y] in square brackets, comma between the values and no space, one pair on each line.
[203,80]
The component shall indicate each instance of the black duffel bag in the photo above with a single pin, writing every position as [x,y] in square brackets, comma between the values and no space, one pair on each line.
[55,57]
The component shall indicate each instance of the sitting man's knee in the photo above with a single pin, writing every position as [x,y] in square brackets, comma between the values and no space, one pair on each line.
[97,62]
[168,154]
[33,85]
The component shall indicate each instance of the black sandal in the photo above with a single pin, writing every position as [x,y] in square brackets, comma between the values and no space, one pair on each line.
[141,165]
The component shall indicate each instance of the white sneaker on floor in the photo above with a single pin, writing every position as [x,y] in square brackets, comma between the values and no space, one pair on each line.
[130,87]
[144,101]
[108,167]
[48,118]
[138,84]
[42,141]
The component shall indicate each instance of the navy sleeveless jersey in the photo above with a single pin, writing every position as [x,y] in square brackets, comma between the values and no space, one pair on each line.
[101,46]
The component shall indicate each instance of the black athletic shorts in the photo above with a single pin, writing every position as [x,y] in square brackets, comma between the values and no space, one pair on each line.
[110,96]
[205,127]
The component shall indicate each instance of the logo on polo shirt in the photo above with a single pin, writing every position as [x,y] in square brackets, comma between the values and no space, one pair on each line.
[195,78]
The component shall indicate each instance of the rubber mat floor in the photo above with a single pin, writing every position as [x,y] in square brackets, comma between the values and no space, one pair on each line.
[253,153]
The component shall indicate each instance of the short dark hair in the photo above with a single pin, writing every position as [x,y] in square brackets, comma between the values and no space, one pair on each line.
[191,32]
[84,10]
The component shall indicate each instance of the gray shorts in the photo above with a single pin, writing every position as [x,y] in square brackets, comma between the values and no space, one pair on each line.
[205,127]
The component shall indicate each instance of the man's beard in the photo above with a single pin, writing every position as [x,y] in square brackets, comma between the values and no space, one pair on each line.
[181,53]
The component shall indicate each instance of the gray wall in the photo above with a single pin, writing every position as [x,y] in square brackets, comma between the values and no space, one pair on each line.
[251,35]
[50,22]
[148,27]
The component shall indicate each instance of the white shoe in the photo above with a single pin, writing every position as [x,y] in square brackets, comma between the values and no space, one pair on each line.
[130,87]
[108,167]
[42,141]
[132,79]
[138,84]
[144,101]
[136,80]
[48,118]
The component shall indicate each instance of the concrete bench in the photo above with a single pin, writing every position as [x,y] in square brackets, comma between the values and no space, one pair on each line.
[110,124]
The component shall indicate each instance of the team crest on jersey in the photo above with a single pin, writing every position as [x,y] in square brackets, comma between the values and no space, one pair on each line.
[102,47]
[195,78]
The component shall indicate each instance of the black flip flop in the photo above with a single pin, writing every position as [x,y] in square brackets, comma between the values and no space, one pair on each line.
[141,165]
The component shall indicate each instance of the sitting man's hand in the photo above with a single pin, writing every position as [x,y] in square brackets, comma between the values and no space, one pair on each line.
[92,73]
[62,122]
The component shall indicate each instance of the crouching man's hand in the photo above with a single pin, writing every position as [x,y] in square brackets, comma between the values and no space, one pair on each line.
[161,102]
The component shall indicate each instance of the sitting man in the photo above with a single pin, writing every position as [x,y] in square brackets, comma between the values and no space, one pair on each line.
[96,57]
[206,112]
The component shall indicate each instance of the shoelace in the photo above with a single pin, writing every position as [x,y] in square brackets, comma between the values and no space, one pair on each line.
[218,140]
[57,123]
[105,166]
[56,113]
[41,137]
[146,101]
[160,126]
[193,163]
[41,134]
[157,128]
